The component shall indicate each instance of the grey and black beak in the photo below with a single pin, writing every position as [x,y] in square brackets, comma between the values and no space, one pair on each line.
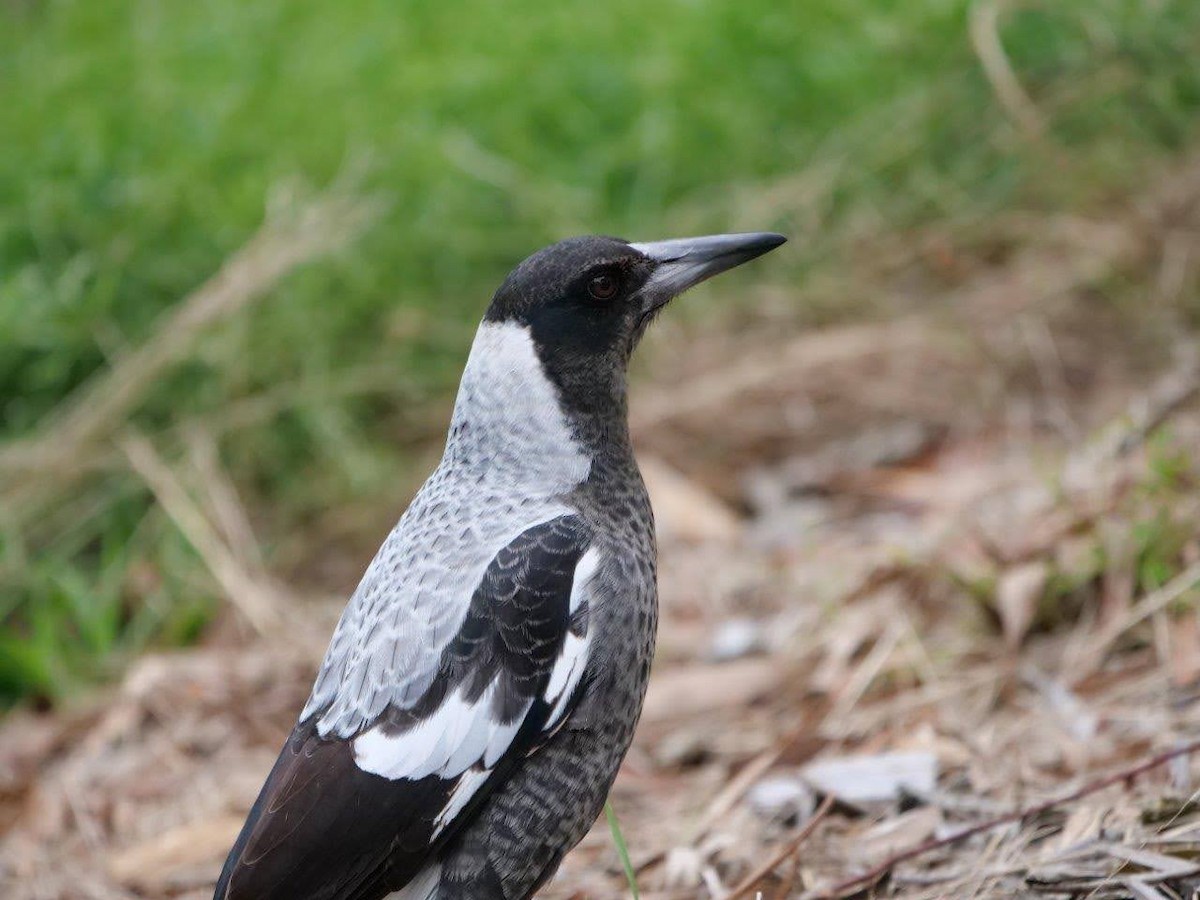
[685,262]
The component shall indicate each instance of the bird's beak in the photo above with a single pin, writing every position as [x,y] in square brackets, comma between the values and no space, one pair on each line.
[685,262]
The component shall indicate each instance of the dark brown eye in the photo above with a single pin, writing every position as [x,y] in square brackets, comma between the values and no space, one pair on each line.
[603,287]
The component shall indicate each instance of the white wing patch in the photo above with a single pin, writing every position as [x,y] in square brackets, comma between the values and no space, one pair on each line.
[454,738]
[423,887]
[571,662]
[459,798]
[585,569]
[568,669]
[461,741]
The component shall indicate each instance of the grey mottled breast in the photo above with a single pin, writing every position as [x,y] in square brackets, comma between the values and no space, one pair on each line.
[511,462]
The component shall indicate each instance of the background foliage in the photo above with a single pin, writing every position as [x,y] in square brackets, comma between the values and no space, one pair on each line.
[143,142]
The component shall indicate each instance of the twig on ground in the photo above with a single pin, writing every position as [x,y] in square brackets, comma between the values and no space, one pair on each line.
[860,679]
[254,595]
[735,789]
[789,847]
[722,803]
[1151,603]
[1176,389]
[1144,415]
[874,874]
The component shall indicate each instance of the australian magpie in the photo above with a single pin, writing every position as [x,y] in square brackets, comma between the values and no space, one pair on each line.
[484,681]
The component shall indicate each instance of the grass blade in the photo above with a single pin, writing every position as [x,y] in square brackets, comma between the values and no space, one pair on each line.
[623,851]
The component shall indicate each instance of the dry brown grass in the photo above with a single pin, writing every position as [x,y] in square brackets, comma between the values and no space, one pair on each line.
[937,529]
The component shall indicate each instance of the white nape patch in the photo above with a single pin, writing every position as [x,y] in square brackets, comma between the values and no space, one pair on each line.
[455,737]
[467,785]
[423,887]
[508,416]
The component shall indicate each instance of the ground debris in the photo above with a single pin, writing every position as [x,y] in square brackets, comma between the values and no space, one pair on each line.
[872,779]
[939,622]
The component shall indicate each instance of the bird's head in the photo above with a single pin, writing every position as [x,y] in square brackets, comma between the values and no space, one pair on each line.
[586,301]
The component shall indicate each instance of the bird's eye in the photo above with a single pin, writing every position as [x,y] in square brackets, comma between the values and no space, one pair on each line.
[603,286]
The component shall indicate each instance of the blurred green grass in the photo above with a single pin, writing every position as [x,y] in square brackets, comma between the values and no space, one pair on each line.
[140,142]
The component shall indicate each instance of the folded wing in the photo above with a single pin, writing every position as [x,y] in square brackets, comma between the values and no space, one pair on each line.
[353,816]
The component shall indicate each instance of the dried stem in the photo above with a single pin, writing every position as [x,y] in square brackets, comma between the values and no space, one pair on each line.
[1150,604]
[985,38]
[789,847]
[875,874]
[286,240]
[255,596]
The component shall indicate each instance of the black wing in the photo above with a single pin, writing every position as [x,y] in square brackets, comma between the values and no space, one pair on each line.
[357,817]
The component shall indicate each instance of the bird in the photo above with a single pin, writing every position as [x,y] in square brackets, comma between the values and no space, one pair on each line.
[483,683]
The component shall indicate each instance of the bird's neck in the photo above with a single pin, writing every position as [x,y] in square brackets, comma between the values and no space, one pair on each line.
[509,421]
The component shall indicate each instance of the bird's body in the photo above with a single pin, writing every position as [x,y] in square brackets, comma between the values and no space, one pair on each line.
[485,679]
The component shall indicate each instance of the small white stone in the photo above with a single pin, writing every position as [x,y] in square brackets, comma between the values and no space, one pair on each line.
[782,797]
[872,779]
[735,638]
